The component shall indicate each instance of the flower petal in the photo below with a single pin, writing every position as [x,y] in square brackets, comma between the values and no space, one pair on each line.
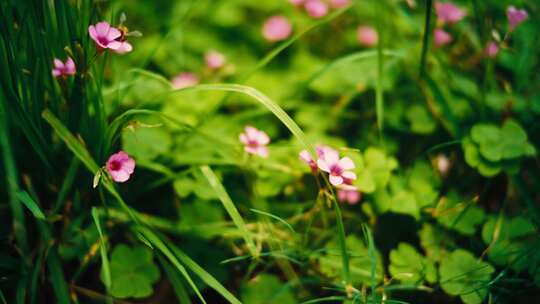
[349,175]
[92,32]
[102,28]
[336,180]
[346,163]
[323,165]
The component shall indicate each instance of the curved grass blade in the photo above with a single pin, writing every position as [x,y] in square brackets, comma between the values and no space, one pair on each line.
[284,222]
[103,252]
[230,208]
[262,99]
[204,276]
[29,203]
[160,245]
[177,285]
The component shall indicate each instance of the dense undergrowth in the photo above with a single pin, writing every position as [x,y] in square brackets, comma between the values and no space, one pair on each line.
[239,151]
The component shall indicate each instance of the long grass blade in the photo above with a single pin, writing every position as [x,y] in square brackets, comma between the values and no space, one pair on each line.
[27,201]
[225,199]
[103,252]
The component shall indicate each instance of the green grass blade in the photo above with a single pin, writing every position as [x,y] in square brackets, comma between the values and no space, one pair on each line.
[343,244]
[175,280]
[67,184]
[379,94]
[262,99]
[73,144]
[205,276]
[57,277]
[427,34]
[230,208]
[373,258]
[160,245]
[103,252]
[27,201]
[284,222]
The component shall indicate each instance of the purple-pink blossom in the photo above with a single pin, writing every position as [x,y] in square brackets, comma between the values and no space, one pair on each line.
[184,80]
[108,37]
[306,157]
[255,141]
[448,12]
[276,28]
[367,36]
[339,3]
[515,16]
[316,8]
[62,69]
[214,60]
[120,166]
[338,169]
[492,49]
[441,37]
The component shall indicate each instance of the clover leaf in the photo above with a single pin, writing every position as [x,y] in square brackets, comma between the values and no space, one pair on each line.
[434,240]
[512,241]
[491,148]
[132,272]
[457,215]
[374,169]
[264,289]
[407,265]
[463,275]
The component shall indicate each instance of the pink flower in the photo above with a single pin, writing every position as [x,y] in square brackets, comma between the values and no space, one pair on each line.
[440,37]
[296,3]
[338,169]
[276,28]
[339,3]
[184,80]
[442,164]
[316,8]
[120,166]
[63,69]
[306,157]
[491,50]
[255,141]
[108,37]
[449,12]
[515,16]
[214,60]
[350,196]
[367,36]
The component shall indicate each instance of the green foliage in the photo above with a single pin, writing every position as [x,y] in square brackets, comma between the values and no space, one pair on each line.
[491,149]
[463,275]
[132,271]
[360,263]
[407,265]
[453,213]
[266,288]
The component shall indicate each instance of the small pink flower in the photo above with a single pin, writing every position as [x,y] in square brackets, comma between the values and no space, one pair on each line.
[63,69]
[440,37]
[491,50]
[276,28]
[339,3]
[120,166]
[255,141]
[184,80]
[109,37]
[442,163]
[306,157]
[316,8]
[350,196]
[214,60]
[449,12]
[297,3]
[338,169]
[515,16]
[367,36]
